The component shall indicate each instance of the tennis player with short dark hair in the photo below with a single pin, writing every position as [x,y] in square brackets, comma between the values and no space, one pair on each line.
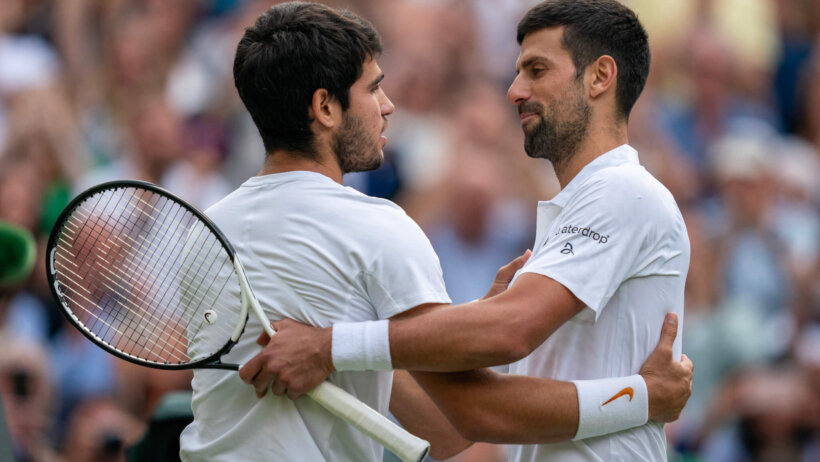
[609,261]
[309,78]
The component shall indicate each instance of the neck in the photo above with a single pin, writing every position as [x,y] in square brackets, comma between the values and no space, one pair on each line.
[281,161]
[598,141]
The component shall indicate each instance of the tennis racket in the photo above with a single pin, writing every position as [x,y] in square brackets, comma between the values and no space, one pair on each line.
[151,280]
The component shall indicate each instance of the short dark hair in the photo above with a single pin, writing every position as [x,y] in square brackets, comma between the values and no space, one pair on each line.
[593,28]
[291,51]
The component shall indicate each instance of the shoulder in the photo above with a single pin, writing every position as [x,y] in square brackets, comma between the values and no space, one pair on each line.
[374,222]
[631,190]
[627,200]
[384,221]
[226,208]
[638,202]
[357,209]
[625,180]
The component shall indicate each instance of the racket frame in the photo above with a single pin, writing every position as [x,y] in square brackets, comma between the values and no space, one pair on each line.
[210,362]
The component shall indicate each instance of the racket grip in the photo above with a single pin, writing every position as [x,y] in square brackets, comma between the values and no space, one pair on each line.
[340,403]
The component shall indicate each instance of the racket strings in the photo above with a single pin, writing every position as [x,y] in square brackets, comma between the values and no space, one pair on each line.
[151,250]
[110,277]
[140,272]
[113,304]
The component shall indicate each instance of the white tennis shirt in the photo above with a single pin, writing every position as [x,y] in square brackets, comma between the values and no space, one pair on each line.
[352,258]
[615,238]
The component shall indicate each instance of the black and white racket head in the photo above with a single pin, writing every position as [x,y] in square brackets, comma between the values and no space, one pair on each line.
[146,276]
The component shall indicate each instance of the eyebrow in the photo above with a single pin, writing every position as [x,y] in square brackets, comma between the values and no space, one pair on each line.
[377,80]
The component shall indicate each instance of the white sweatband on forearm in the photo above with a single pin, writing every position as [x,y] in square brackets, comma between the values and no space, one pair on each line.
[611,405]
[361,346]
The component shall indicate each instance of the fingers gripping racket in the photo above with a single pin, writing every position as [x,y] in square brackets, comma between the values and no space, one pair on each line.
[152,280]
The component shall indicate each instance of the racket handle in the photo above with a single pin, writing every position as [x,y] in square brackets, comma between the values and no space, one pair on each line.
[340,403]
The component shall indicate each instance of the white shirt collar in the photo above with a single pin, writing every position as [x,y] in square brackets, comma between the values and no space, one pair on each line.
[294,175]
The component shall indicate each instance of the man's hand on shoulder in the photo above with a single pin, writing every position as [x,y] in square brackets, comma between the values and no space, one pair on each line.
[294,361]
[506,274]
[668,382]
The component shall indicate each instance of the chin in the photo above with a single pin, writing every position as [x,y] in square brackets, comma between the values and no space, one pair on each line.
[377,162]
[362,166]
[376,165]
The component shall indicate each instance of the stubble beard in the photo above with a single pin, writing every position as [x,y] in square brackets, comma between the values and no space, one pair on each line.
[352,150]
[554,138]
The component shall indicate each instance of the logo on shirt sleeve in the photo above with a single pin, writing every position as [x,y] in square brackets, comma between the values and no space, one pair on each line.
[585,232]
[567,250]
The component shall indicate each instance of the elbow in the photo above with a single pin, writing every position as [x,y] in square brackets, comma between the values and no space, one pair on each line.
[473,426]
[442,452]
[514,344]
[521,347]
[509,333]
[487,428]
[475,421]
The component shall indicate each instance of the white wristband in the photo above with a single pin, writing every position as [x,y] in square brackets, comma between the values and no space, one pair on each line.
[611,405]
[361,346]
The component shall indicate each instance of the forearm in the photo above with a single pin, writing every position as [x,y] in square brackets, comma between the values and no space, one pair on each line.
[497,408]
[499,330]
[462,337]
[419,415]
[457,338]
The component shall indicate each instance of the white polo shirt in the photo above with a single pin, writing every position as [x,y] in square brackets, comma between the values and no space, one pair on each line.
[351,257]
[615,238]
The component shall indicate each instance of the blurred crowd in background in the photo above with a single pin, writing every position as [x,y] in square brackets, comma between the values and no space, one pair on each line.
[95,90]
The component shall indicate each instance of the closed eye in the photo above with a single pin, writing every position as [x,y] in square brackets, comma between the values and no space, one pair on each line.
[536,65]
[375,84]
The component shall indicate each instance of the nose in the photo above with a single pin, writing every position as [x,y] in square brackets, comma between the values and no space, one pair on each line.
[518,91]
[387,106]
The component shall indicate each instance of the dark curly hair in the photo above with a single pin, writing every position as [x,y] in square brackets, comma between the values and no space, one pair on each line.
[291,51]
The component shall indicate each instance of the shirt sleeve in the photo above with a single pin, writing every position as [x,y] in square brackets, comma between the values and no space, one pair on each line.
[405,272]
[593,244]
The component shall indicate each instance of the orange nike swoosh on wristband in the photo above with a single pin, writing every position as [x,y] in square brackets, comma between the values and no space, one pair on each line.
[626,391]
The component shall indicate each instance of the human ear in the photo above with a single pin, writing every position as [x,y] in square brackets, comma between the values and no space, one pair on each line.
[324,109]
[603,73]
